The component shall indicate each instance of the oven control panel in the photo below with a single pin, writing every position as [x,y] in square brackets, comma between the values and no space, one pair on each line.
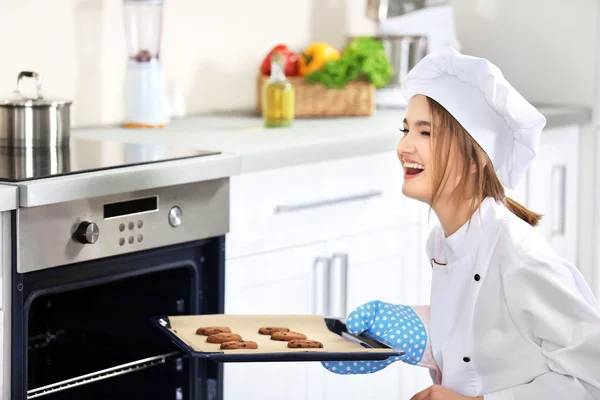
[66,233]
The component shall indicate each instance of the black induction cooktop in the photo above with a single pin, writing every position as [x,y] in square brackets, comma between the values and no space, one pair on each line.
[85,155]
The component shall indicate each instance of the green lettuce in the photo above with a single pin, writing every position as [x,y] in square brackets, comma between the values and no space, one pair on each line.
[362,58]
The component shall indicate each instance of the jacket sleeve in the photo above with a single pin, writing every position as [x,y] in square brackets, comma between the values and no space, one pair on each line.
[555,310]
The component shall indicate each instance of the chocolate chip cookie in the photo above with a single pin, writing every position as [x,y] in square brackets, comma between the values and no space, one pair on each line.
[305,344]
[268,330]
[287,336]
[211,330]
[243,344]
[224,337]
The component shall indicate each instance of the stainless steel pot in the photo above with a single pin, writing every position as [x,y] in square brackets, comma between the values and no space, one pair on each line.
[34,122]
[404,52]
[26,163]
[380,10]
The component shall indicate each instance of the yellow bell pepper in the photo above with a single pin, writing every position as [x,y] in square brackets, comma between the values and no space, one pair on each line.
[315,56]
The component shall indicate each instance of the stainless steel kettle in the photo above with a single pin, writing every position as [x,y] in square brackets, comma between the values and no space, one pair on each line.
[34,122]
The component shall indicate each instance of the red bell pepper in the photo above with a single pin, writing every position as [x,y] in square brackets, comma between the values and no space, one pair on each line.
[291,61]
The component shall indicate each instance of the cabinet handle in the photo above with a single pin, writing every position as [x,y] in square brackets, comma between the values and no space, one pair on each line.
[327,202]
[559,183]
[338,289]
[321,272]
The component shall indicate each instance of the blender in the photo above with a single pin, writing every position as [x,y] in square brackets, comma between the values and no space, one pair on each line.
[145,86]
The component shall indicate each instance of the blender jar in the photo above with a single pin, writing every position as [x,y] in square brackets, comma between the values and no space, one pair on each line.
[145,86]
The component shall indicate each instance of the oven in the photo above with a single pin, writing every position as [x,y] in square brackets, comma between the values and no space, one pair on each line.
[87,276]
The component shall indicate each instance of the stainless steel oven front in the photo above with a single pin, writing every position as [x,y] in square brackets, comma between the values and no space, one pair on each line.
[87,276]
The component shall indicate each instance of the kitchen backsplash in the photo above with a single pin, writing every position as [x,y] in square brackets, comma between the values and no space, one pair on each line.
[212,49]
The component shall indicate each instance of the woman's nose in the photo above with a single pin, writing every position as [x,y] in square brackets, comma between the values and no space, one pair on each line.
[405,146]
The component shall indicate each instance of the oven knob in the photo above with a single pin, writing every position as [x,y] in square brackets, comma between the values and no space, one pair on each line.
[87,233]
[175,216]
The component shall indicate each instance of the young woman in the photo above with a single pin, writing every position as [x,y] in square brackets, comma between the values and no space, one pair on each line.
[508,319]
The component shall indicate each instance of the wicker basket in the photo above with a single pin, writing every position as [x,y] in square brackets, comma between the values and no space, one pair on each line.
[317,100]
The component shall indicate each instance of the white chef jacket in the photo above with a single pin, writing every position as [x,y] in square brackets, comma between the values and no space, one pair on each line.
[510,320]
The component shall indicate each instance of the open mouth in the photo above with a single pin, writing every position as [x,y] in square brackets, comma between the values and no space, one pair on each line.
[412,169]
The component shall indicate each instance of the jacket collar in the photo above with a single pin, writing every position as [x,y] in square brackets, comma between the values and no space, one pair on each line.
[467,238]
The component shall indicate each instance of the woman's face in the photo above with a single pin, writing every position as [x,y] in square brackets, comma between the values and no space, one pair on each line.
[414,151]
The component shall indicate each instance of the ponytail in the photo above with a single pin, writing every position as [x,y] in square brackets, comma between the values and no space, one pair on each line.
[520,211]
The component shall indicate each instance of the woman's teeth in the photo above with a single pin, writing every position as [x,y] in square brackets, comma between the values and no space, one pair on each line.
[413,165]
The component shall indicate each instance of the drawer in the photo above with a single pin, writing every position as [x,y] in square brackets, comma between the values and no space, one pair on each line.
[308,203]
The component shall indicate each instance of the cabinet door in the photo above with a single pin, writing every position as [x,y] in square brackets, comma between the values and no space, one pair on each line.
[280,282]
[386,266]
[553,186]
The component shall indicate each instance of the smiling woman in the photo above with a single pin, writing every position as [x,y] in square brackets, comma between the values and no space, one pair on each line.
[508,319]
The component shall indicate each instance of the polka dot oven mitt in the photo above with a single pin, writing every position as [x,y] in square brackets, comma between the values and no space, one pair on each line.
[400,327]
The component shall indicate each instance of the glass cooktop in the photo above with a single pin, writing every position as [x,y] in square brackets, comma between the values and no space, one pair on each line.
[85,155]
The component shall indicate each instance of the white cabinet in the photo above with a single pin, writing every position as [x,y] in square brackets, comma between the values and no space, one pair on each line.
[552,189]
[278,282]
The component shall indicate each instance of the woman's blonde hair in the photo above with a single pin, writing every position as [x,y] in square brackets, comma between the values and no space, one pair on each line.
[487,184]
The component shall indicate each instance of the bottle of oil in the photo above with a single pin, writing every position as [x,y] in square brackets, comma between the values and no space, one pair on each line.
[278,95]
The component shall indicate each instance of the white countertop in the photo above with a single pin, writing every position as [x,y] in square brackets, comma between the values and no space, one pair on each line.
[308,140]
[8,198]
[245,145]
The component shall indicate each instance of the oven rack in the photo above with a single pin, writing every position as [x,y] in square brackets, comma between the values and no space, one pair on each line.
[107,373]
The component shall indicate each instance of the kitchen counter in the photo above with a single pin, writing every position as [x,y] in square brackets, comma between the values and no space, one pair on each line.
[8,198]
[308,140]
[245,145]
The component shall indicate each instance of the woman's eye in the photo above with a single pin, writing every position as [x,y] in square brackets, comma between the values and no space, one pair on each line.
[425,133]
[405,131]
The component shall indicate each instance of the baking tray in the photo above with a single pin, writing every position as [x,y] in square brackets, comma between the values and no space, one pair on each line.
[338,344]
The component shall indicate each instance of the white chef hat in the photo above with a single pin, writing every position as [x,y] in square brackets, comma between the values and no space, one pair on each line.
[474,91]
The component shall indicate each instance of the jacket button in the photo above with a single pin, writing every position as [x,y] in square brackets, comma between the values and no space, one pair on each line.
[477,277]
[466,359]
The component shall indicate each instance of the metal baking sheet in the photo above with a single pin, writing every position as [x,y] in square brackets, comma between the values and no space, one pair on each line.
[338,344]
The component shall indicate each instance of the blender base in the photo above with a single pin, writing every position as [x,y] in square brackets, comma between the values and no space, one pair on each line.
[145,95]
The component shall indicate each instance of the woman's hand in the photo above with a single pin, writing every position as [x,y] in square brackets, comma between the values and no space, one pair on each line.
[437,392]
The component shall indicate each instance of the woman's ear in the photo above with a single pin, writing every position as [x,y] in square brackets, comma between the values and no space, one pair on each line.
[473,168]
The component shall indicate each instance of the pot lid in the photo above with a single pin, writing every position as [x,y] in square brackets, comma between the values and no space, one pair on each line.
[19,99]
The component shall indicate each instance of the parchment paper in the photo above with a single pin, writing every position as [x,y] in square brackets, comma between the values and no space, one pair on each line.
[313,326]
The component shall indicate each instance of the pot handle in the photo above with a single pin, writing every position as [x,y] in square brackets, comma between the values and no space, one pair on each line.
[30,74]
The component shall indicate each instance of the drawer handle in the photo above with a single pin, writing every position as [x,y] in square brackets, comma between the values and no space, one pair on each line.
[338,286]
[324,203]
[321,272]
[559,180]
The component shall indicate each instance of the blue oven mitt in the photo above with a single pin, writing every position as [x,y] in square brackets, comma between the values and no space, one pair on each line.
[400,327]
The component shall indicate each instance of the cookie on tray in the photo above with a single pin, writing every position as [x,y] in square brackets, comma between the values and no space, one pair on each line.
[287,336]
[224,337]
[305,344]
[268,330]
[243,344]
[211,330]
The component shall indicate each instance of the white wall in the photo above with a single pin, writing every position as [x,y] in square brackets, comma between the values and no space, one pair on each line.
[213,49]
[546,48]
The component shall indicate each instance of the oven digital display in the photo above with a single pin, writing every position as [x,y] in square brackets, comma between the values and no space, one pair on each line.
[131,207]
